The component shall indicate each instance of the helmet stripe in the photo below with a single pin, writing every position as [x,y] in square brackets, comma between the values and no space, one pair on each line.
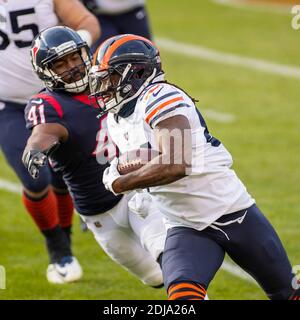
[116,45]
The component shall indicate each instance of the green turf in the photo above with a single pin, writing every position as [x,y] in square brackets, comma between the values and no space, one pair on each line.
[263,140]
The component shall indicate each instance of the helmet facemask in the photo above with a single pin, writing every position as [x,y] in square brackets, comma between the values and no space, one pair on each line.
[113,88]
[68,80]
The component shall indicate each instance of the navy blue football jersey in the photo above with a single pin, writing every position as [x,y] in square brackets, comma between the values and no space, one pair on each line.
[77,158]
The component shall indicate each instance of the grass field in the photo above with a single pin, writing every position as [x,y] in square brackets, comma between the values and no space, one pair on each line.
[262,135]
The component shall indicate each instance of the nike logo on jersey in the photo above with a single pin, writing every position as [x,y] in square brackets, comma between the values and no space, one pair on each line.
[38,101]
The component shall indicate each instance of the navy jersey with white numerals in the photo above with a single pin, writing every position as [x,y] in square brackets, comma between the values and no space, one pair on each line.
[77,157]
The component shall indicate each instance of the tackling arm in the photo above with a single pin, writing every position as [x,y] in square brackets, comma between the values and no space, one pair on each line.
[174,139]
[44,140]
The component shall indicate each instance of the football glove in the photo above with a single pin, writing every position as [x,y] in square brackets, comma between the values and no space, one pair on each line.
[111,174]
[33,160]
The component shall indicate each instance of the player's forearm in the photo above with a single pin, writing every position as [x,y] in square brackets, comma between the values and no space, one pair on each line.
[90,24]
[41,141]
[73,14]
[150,175]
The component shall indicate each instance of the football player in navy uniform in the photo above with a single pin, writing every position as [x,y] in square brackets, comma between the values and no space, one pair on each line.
[118,17]
[207,209]
[65,129]
[46,199]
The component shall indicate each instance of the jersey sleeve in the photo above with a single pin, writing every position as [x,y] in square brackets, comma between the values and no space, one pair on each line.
[43,108]
[164,101]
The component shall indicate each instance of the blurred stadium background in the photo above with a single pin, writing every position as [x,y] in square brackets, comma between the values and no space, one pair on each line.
[241,60]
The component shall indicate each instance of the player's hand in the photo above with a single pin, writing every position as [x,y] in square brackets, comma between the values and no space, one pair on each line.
[33,160]
[111,174]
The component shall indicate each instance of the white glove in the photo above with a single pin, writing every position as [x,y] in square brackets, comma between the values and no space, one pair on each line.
[111,174]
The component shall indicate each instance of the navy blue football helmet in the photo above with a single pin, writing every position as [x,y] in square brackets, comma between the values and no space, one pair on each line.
[52,44]
[123,67]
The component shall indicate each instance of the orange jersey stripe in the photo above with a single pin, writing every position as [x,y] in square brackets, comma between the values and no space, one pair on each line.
[186,293]
[153,112]
[186,285]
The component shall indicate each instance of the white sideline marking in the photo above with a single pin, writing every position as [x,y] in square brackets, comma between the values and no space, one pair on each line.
[10,186]
[228,58]
[229,267]
[261,7]
[219,116]
[237,271]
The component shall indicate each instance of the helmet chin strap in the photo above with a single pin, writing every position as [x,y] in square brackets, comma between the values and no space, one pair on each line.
[117,106]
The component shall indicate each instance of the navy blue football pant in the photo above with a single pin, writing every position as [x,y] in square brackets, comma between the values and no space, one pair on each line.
[13,139]
[134,22]
[195,256]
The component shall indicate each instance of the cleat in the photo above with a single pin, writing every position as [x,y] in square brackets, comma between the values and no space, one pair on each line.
[67,270]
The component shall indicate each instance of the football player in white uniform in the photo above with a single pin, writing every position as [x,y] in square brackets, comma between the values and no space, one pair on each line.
[207,209]
[50,208]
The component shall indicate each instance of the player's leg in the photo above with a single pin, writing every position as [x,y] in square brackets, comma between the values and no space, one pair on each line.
[151,232]
[296,294]
[68,268]
[38,199]
[255,246]
[64,202]
[147,223]
[189,263]
[114,234]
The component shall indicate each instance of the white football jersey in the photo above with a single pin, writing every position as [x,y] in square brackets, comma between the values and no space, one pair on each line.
[118,6]
[23,21]
[212,189]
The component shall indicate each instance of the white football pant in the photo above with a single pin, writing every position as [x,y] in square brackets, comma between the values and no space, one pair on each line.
[134,241]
